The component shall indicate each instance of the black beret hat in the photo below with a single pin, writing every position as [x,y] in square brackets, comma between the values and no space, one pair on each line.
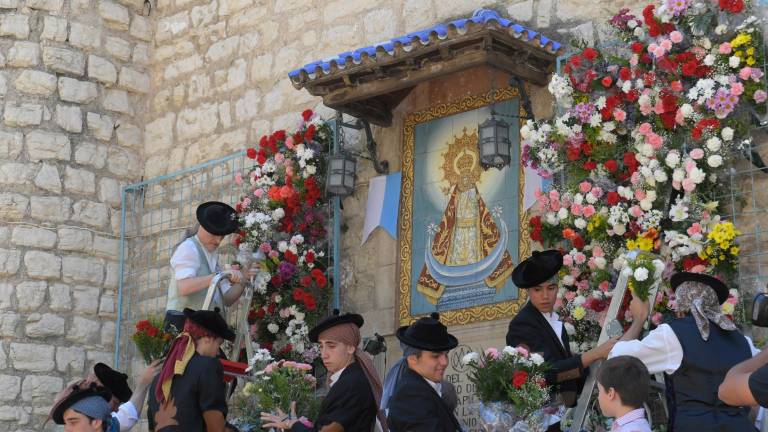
[538,268]
[116,382]
[217,218]
[716,284]
[427,334]
[333,321]
[73,394]
[212,321]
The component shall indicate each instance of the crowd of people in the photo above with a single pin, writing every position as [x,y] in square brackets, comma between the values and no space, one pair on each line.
[714,374]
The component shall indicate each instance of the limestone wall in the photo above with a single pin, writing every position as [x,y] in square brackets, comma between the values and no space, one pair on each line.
[72,82]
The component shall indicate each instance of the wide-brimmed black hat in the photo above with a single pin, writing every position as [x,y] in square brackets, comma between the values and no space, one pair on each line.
[217,218]
[74,393]
[212,321]
[334,320]
[116,382]
[716,284]
[427,334]
[539,267]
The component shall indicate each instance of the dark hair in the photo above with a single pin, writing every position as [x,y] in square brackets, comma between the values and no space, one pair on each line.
[629,378]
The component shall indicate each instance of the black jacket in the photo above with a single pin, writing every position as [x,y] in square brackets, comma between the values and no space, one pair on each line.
[416,407]
[349,403]
[529,327]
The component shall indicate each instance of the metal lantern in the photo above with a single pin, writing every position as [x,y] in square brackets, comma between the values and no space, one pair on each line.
[341,174]
[493,143]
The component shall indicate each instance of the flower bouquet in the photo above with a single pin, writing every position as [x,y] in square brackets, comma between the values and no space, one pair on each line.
[151,340]
[511,387]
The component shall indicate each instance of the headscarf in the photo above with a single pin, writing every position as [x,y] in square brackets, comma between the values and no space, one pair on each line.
[349,334]
[181,352]
[394,374]
[701,301]
[97,408]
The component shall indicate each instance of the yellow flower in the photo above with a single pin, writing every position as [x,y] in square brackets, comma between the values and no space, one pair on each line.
[713,261]
[734,250]
[578,313]
[727,308]
[631,244]
[738,54]
[750,51]
[751,61]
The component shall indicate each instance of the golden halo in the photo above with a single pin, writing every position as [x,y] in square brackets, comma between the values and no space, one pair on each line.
[461,147]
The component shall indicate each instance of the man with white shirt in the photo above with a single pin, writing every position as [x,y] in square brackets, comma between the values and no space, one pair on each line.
[539,328]
[195,262]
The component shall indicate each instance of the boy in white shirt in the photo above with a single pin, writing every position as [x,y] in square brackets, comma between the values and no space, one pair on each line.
[622,384]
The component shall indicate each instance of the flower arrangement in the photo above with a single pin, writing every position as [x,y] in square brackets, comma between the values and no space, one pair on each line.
[642,272]
[151,340]
[643,134]
[283,215]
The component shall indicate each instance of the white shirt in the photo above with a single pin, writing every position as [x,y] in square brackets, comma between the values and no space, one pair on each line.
[127,416]
[186,261]
[660,351]
[437,387]
[633,421]
[554,321]
[335,377]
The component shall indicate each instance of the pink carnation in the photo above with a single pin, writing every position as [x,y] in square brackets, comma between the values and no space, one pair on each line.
[570,295]
[604,286]
[654,140]
[576,209]
[492,353]
[666,44]
[761,96]
[697,154]
[258,193]
[597,252]
[588,211]
[725,48]
[580,258]
[619,114]
[688,185]
[745,73]
[523,352]
[694,229]
[676,36]
[644,129]
[737,89]
[568,260]
[585,187]
[289,142]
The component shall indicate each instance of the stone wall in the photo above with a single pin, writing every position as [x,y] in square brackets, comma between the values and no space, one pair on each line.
[72,82]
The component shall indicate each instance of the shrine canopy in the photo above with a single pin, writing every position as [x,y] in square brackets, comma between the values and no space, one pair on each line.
[370,81]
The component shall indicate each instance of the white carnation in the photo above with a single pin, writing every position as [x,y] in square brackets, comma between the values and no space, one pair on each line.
[562,213]
[537,359]
[714,144]
[282,246]
[709,60]
[715,161]
[641,274]
[734,61]
[727,133]
[278,214]
[273,328]
[580,223]
[471,357]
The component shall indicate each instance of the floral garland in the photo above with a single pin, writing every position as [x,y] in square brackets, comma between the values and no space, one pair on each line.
[650,127]
[283,218]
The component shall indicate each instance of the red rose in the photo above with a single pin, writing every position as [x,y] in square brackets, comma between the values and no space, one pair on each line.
[590,54]
[611,165]
[279,135]
[519,378]
[310,133]
[306,115]
[152,331]
[309,301]
[322,281]
[261,158]
[586,148]
[143,325]
[316,273]
[607,81]
[263,141]
[251,153]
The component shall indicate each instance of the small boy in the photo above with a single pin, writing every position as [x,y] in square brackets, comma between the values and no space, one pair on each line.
[623,383]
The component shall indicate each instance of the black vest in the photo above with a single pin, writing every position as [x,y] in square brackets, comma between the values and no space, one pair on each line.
[701,372]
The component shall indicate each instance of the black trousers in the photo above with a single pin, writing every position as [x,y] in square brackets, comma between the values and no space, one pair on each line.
[554,428]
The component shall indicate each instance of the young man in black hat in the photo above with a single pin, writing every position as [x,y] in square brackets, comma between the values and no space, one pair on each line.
[696,350]
[195,262]
[539,328]
[189,394]
[84,409]
[416,403]
[125,403]
[351,404]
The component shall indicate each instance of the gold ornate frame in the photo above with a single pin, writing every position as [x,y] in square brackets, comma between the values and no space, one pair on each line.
[506,309]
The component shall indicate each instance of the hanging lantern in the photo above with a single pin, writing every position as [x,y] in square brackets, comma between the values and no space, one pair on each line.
[493,143]
[341,174]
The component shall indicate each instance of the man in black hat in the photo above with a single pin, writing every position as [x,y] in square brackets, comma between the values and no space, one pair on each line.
[195,262]
[84,409]
[539,328]
[416,403]
[125,403]
[189,394]
[696,350]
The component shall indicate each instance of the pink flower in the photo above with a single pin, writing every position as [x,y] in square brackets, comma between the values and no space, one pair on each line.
[654,140]
[633,60]
[591,263]
[239,178]
[274,254]
[570,295]
[585,187]
[679,117]
[576,209]
[580,258]
[688,185]
[289,143]
[523,352]
[737,89]
[646,109]
[666,44]
[644,129]
[588,211]
[492,353]
[597,252]
[659,51]
[604,286]
[694,229]
[745,73]
[725,48]
[636,211]
[597,192]
[619,114]
[568,260]
[676,36]
[761,96]
[279,158]
[258,193]
[697,154]
[640,194]
[265,247]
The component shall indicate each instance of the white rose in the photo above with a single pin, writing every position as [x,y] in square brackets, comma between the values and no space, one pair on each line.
[273,328]
[714,144]
[734,62]
[715,161]
[470,358]
[537,359]
[727,133]
[641,274]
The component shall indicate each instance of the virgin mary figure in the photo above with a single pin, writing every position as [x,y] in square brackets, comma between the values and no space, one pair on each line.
[468,247]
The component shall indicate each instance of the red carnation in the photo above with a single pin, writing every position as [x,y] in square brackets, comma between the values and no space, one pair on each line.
[306,115]
[590,54]
[298,294]
[732,6]
[625,74]
[612,198]
[279,135]
[305,281]
[143,325]
[578,242]
[310,133]
[607,81]
[251,153]
[611,165]
[322,281]
[309,301]
[519,378]
[590,165]
[261,313]
[271,308]
[637,48]
[263,141]
[152,331]
[309,257]
[261,158]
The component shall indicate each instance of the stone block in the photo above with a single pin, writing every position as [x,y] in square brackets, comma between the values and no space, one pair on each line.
[182,48]
[108,334]
[199,87]
[9,261]
[69,118]
[16,414]
[46,145]
[86,300]
[46,5]
[521,11]
[14,25]
[42,265]
[40,389]
[23,54]
[8,323]
[72,90]
[6,296]
[122,162]
[24,114]
[13,207]
[205,14]
[81,269]
[172,26]
[230,7]
[141,55]
[91,154]
[44,325]
[9,4]
[48,178]
[195,122]
[59,297]
[50,209]
[14,173]
[79,181]
[83,331]
[128,135]
[75,239]
[3,79]
[120,48]
[101,69]
[118,101]
[114,15]
[223,50]
[247,107]
[109,191]
[11,386]
[133,80]
[63,60]
[5,234]
[30,295]
[33,237]
[106,247]
[141,28]
[261,69]
[70,358]
[84,36]
[32,357]
[113,274]
[100,126]
[107,305]
[35,82]
[158,134]
[11,144]
[183,66]
[90,213]
[54,28]
[94,357]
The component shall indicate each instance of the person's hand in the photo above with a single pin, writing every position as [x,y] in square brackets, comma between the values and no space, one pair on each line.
[149,373]
[279,420]
[639,309]
[235,276]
